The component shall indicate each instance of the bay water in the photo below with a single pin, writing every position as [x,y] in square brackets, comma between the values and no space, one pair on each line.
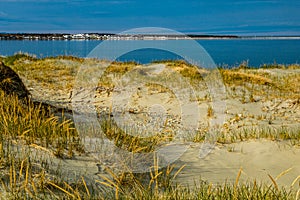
[224,52]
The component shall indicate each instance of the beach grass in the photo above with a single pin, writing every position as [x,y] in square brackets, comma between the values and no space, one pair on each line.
[32,126]
[130,139]
[27,128]
[35,124]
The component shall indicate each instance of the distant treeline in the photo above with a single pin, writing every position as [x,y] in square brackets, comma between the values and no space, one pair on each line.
[212,36]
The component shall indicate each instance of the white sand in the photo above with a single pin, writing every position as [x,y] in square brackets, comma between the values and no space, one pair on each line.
[257,159]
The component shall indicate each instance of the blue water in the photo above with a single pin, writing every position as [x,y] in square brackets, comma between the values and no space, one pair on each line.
[224,52]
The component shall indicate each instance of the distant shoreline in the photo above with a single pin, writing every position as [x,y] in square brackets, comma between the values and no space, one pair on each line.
[109,36]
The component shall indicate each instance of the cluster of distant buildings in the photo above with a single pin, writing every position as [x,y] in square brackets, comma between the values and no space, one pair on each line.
[98,36]
[53,36]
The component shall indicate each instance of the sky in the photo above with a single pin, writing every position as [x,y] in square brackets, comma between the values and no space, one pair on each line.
[219,17]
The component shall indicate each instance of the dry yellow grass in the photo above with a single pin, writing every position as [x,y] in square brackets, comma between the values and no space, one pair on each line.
[269,83]
[120,67]
[187,70]
[234,77]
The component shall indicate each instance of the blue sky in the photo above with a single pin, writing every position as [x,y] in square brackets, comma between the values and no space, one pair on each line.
[248,17]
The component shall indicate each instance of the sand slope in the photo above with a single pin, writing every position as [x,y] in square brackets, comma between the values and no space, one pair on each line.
[257,159]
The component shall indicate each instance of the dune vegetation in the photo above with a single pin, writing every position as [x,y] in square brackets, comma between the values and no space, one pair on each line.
[32,130]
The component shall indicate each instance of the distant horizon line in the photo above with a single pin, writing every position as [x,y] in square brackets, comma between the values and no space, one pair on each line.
[192,35]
